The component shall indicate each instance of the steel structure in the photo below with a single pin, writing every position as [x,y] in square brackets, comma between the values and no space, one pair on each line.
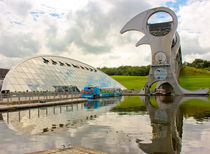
[165,49]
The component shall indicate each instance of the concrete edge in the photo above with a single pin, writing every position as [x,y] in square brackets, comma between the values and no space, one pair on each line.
[35,105]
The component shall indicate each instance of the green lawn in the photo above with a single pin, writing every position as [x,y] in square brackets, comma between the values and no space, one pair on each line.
[131,82]
[187,82]
[193,80]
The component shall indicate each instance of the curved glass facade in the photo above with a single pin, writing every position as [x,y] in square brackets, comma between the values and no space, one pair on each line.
[44,73]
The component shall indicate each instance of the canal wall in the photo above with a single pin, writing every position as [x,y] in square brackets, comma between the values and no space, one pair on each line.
[35,105]
[35,97]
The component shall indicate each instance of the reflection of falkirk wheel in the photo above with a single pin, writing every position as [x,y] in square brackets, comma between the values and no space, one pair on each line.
[166,121]
[167,124]
[166,51]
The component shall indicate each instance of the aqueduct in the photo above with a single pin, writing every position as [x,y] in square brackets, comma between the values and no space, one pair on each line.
[165,46]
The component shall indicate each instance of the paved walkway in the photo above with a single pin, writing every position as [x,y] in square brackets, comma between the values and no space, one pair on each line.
[35,105]
[33,98]
[74,150]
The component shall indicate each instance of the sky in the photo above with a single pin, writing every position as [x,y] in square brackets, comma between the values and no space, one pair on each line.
[89,30]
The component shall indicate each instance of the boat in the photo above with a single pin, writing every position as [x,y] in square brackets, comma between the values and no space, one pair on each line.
[96,92]
[162,92]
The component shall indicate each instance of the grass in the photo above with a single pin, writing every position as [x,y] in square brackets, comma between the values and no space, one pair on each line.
[191,71]
[193,80]
[131,82]
[190,78]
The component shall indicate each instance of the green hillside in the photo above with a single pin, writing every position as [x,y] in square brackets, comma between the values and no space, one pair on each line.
[190,78]
[191,71]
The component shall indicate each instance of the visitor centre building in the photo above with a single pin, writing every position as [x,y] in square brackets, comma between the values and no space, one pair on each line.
[46,73]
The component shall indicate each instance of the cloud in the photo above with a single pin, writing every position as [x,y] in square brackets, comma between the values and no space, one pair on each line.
[18,45]
[194,28]
[4,61]
[190,43]
[90,31]
[19,7]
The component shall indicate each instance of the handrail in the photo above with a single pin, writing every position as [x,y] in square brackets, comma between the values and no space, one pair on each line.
[30,97]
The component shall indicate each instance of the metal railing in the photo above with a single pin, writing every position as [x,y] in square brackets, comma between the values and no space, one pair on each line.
[34,97]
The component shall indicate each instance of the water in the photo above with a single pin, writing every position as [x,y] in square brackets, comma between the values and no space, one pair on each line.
[148,125]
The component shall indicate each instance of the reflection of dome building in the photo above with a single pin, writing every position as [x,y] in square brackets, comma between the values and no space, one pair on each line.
[43,73]
[42,120]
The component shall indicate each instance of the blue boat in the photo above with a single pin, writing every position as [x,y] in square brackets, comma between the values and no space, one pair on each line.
[96,92]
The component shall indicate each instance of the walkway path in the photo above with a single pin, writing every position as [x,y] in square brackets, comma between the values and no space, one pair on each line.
[34,105]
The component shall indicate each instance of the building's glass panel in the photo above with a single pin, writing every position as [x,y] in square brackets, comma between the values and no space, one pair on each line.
[36,75]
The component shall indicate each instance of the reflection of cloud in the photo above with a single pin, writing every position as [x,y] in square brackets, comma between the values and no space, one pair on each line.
[195,137]
[111,133]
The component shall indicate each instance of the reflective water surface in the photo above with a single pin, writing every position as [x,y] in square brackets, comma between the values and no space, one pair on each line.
[115,125]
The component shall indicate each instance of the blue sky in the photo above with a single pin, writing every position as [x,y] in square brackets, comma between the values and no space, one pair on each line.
[176,4]
[89,30]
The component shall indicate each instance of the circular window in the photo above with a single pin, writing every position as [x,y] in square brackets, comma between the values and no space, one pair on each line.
[159,24]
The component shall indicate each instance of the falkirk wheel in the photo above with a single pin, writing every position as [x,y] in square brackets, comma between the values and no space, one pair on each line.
[165,47]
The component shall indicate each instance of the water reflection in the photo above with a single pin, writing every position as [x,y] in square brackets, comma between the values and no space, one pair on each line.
[114,125]
[166,122]
[1,117]
[48,119]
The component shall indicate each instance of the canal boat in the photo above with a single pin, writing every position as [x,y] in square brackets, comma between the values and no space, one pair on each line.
[162,92]
[96,92]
